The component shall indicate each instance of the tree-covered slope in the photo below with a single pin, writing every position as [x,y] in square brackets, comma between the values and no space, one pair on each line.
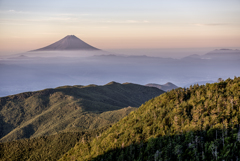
[68,108]
[44,147]
[198,123]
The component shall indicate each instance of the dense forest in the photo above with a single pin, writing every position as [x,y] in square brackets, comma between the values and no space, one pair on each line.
[196,123]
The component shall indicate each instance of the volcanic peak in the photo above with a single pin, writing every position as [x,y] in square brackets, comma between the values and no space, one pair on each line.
[70,42]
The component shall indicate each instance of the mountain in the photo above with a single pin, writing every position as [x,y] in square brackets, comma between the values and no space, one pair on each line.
[69,42]
[194,56]
[40,70]
[218,54]
[165,87]
[198,123]
[223,53]
[68,108]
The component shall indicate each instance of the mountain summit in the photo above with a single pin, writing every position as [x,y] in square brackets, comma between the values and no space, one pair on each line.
[69,42]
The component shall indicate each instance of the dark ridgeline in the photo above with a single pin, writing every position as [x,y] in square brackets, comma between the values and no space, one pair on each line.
[69,42]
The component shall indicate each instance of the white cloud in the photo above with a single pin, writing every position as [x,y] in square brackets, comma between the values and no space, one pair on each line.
[127,22]
[14,11]
[210,24]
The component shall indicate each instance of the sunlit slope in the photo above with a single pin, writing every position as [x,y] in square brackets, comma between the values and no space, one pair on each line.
[200,122]
[68,108]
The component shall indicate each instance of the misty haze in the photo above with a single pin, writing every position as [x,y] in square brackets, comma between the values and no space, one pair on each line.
[63,63]
[119,80]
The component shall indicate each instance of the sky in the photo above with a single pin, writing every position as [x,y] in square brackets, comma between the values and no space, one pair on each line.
[26,25]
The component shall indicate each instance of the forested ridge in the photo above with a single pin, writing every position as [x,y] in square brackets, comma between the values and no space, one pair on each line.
[197,123]
[69,109]
[45,147]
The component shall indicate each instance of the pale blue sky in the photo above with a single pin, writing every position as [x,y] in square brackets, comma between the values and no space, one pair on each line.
[28,24]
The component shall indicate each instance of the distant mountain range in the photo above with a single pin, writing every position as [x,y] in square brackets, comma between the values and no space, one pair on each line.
[69,109]
[217,54]
[165,87]
[223,54]
[69,42]
[37,70]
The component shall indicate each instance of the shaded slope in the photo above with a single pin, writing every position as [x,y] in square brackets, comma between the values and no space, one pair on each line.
[200,122]
[67,108]
[69,42]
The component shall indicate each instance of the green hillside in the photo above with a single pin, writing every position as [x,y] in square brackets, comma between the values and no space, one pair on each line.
[44,147]
[199,123]
[68,108]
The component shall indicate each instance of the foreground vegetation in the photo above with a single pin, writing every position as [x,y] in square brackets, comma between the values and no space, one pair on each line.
[68,109]
[45,147]
[198,123]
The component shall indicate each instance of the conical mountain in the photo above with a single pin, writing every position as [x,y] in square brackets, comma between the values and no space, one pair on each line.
[69,42]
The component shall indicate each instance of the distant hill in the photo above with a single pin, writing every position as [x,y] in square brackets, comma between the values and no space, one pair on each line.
[165,87]
[68,108]
[198,123]
[223,53]
[220,54]
[194,56]
[69,42]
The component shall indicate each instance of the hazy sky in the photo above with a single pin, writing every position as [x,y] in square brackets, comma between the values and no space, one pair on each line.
[108,24]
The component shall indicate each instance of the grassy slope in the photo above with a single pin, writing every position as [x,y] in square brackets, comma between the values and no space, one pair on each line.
[68,108]
[178,112]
